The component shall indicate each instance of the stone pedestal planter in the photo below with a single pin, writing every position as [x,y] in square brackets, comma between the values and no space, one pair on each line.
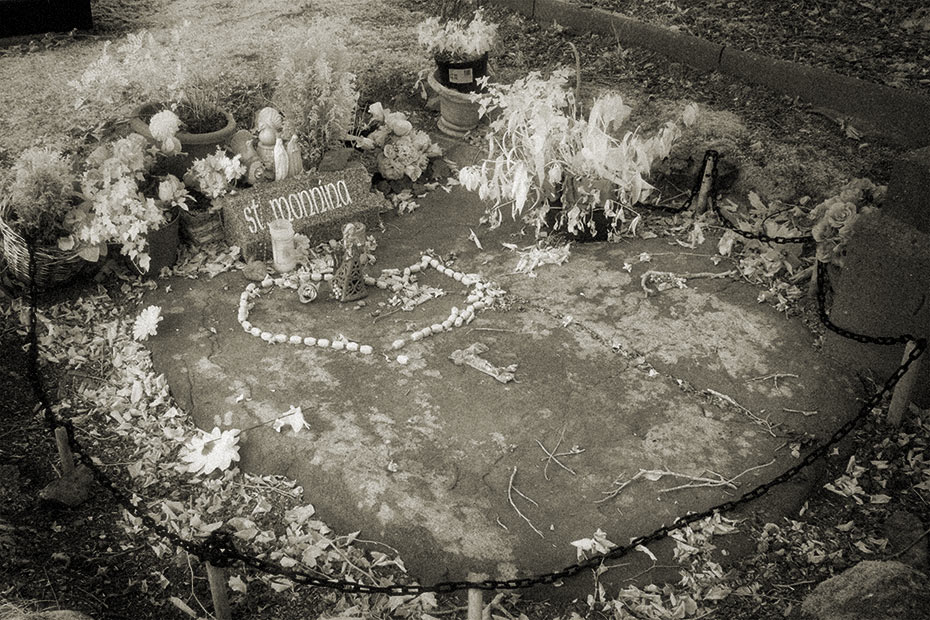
[458,113]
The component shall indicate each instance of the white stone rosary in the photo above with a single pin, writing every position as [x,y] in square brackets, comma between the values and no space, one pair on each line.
[479,298]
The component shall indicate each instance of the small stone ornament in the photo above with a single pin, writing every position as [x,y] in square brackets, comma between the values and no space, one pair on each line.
[348,280]
[307,292]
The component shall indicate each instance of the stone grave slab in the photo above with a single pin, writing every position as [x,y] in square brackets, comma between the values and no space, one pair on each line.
[316,203]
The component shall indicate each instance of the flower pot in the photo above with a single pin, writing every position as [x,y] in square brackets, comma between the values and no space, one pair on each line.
[458,113]
[202,227]
[556,222]
[462,75]
[163,246]
[193,145]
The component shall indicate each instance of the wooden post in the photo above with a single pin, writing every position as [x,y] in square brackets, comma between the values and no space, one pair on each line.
[902,391]
[64,450]
[707,180]
[217,578]
[475,599]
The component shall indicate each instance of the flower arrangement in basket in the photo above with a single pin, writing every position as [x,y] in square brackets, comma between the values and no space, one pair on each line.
[545,155]
[37,206]
[835,218]
[460,46]
[209,178]
[402,151]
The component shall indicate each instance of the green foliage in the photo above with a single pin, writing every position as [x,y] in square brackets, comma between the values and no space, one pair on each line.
[41,194]
[314,88]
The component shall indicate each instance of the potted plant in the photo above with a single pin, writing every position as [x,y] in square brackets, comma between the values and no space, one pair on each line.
[142,76]
[208,178]
[130,202]
[459,44]
[559,168]
[39,197]
[315,90]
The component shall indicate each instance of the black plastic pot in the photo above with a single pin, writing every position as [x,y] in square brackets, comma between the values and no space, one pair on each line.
[462,75]
[602,224]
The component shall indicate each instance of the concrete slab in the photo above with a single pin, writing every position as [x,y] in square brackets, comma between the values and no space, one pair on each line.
[421,456]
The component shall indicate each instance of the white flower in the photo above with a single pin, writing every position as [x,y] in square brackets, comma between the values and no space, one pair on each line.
[293,418]
[207,452]
[172,191]
[146,324]
[164,125]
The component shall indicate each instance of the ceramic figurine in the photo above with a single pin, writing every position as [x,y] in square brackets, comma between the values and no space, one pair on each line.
[281,167]
[294,159]
[268,123]
[241,145]
[348,280]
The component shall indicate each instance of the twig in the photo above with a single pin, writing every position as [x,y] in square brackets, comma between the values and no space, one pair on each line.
[552,457]
[510,489]
[913,542]
[616,491]
[801,411]
[720,481]
[677,279]
[764,423]
[775,376]
[381,316]
[489,329]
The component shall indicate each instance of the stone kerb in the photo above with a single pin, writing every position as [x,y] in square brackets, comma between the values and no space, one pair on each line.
[908,196]
[316,203]
[884,290]
[901,116]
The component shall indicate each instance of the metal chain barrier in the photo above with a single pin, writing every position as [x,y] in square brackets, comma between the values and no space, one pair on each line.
[220,550]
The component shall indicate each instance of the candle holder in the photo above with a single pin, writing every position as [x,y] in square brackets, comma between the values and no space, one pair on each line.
[282,245]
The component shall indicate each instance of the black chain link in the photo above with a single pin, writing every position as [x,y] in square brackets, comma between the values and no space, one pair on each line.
[823,279]
[220,550]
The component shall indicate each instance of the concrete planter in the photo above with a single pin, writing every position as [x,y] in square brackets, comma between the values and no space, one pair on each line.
[458,114]
[193,145]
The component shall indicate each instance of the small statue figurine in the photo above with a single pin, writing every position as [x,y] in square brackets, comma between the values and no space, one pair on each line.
[241,145]
[294,159]
[281,166]
[268,123]
[348,281]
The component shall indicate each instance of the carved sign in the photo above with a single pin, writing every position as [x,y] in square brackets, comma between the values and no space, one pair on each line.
[316,203]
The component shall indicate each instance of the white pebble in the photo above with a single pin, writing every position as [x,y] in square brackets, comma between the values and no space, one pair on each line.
[323,343]
[310,341]
[468,280]
[382,284]
[255,332]
[407,272]
[435,328]
[425,260]
[447,324]
[370,281]
[416,336]
[479,305]
[267,336]
[415,268]
[434,263]
[402,360]
[351,346]
[246,326]
[457,276]
[295,340]
[398,344]
[458,321]
[327,276]
[280,338]
[338,345]
[365,349]
[316,277]
[251,287]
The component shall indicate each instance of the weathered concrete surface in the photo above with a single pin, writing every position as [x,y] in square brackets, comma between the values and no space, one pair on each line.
[884,290]
[455,436]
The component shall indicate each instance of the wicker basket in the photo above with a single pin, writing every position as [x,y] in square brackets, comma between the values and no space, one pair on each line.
[202,227]
[53,266]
